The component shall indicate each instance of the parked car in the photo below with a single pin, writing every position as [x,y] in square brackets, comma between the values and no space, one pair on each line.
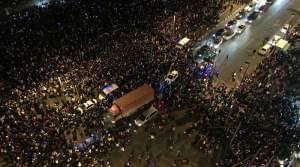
[86,106]
[146,116]
[273,41]
[265,49]
[231,24]
[217,42]
[285,28]
[253,16]
[241,28]
[262,8]
[241,15]
[219,33]
[89,104]
[171,77]
[228,35]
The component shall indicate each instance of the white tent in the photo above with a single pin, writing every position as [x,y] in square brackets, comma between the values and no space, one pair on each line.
[281,43]
[184,41]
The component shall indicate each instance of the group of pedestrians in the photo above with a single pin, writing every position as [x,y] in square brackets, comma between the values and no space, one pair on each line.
[55,58]
[256,122]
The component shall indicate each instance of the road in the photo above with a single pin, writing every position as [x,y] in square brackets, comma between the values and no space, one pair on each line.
[241,46]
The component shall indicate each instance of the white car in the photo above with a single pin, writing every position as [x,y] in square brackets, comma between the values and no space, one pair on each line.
[146,116]
[228,35]
[273,41]
[241,28]
[89,104]
[171,77]
[265,49]
[217,42]
[285,28]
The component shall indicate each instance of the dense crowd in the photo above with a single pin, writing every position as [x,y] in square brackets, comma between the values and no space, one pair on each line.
[55,57]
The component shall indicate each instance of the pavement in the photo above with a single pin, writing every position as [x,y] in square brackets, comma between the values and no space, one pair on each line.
[240,48]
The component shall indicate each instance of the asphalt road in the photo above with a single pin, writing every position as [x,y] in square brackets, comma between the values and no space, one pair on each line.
[241,46]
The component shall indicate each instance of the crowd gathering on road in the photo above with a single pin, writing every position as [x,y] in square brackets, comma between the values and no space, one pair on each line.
[56,57]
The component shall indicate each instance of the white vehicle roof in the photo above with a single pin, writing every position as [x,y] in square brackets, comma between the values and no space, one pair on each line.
[145,116]
[267,46]
[276,37]
[286,26]
[90,102]
[150,111]
[174,72]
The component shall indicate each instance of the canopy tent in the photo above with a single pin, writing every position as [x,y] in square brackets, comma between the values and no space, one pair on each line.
[281,43]
[110,88]
[184,41]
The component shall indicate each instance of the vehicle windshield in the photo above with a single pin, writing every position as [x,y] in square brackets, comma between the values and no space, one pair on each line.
[231,22]
[228,33]
[170,77]
[142,117]
[220,32]
[218,40]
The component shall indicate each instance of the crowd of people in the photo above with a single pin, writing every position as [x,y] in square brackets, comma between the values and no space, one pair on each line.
[55,58]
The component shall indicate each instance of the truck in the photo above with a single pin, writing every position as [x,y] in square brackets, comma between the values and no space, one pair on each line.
[129,103]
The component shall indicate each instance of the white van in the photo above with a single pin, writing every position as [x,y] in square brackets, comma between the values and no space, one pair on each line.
[265,49]
[90,104]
